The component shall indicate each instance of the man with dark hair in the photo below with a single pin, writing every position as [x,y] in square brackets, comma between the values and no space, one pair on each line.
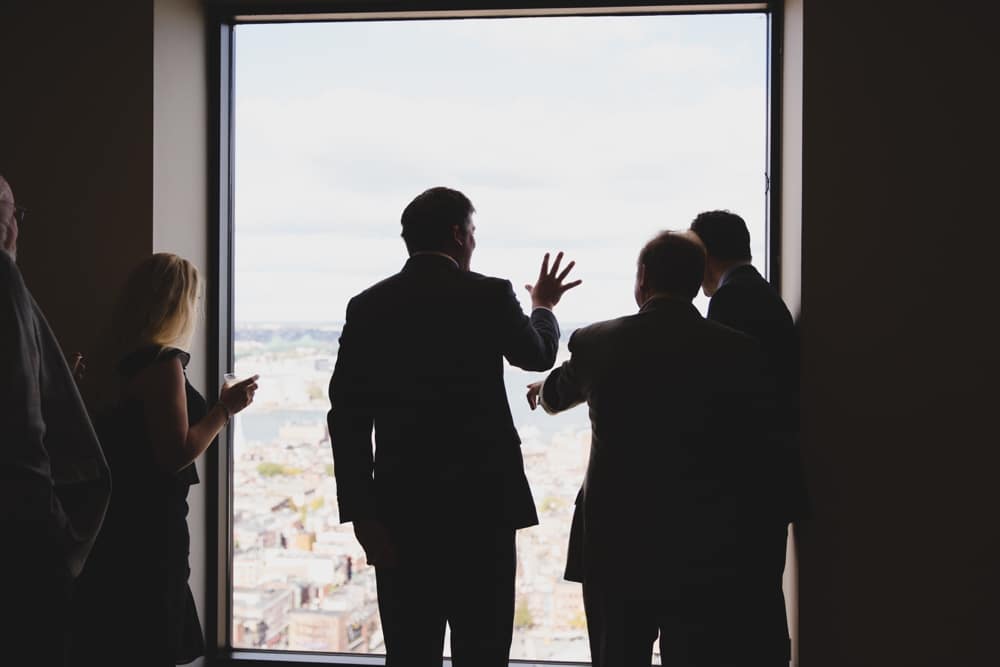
[54,481]
[672,493]
[742,298]
[437,506]
[428,220]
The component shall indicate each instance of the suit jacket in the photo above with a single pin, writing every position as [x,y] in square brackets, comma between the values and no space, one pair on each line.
[746,302]
[54,481]
[677,478]
[421,361]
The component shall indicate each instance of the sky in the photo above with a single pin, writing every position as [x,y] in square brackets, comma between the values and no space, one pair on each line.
[581,134]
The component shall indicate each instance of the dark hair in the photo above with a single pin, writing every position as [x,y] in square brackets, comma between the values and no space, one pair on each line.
[724,234]
[674,264]
[428,219]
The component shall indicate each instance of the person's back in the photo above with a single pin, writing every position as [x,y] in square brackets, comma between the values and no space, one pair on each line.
[748,303]
[678,484]
[677,448]
[741,298]
[435,381]
[436,508]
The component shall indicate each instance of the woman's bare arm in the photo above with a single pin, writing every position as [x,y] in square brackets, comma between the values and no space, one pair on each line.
[161,388]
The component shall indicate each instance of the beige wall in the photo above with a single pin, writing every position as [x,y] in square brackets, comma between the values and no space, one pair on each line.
[901,353]
[180,201]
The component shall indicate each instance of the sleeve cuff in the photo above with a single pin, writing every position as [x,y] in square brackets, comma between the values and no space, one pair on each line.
[541,398]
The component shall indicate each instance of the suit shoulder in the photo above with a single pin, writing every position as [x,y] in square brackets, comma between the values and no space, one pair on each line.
[756,299]
[487,282]
[599,330]
[376,291]
[11,280]
[8,269]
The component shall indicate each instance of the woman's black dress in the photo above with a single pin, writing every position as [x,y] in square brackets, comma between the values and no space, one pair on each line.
[133,597]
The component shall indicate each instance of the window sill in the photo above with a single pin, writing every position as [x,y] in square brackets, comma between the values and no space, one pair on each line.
[251,658]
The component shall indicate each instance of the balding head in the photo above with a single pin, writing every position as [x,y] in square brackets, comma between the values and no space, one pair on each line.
[671,264]
[8,223]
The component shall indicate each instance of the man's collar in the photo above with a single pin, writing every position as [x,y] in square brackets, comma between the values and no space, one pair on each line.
[665,301]
[728,273]
[439,254]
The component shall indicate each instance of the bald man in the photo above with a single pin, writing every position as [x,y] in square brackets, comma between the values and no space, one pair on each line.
[54,481]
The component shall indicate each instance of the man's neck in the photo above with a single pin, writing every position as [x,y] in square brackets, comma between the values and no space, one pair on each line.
[727,268]
[660,295]
[438,253]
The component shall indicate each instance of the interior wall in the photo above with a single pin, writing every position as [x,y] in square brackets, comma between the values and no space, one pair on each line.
[790,231]
[75,144]
[900,334]
[180,205]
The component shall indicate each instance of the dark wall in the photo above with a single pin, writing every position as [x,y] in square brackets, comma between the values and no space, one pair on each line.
[901,351]
[76,144]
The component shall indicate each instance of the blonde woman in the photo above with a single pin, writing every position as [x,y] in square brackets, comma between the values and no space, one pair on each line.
[135,602]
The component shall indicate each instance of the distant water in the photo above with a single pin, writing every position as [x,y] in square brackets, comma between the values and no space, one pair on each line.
[264,425]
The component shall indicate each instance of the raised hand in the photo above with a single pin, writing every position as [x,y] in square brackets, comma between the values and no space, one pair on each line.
[549,288]
[78,367]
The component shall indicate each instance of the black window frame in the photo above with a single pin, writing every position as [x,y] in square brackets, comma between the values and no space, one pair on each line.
[222,18]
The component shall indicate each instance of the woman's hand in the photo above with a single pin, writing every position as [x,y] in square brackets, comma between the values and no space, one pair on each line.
[236,397]
[78,367]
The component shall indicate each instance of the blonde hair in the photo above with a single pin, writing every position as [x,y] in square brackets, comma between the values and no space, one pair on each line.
[158,305]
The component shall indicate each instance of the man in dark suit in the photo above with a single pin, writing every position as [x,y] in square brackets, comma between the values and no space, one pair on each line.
[674,490]
[54,481]
[436,508]
[742,298]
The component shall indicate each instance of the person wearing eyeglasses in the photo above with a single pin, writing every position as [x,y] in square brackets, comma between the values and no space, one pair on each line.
[54,480]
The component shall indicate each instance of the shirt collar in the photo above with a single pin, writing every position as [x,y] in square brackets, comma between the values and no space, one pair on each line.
[729,272]
[439,254]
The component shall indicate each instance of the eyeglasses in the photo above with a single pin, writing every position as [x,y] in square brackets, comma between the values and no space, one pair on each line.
[20,213]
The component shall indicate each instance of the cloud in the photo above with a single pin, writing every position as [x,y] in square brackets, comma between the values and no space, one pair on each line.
[586,135]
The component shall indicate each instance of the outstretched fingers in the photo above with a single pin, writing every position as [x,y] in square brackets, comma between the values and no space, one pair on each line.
[555,265]
[565,272]
[545,267]
[569,286]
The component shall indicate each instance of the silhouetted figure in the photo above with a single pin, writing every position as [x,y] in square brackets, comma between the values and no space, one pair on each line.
[676,489]
[54,482]
[421,359]
[742,299]
[134,604]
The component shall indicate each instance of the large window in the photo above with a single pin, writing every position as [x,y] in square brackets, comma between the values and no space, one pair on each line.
[579,133]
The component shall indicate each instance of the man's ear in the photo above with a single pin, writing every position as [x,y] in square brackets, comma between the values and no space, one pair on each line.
[457,236]
[640,277]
